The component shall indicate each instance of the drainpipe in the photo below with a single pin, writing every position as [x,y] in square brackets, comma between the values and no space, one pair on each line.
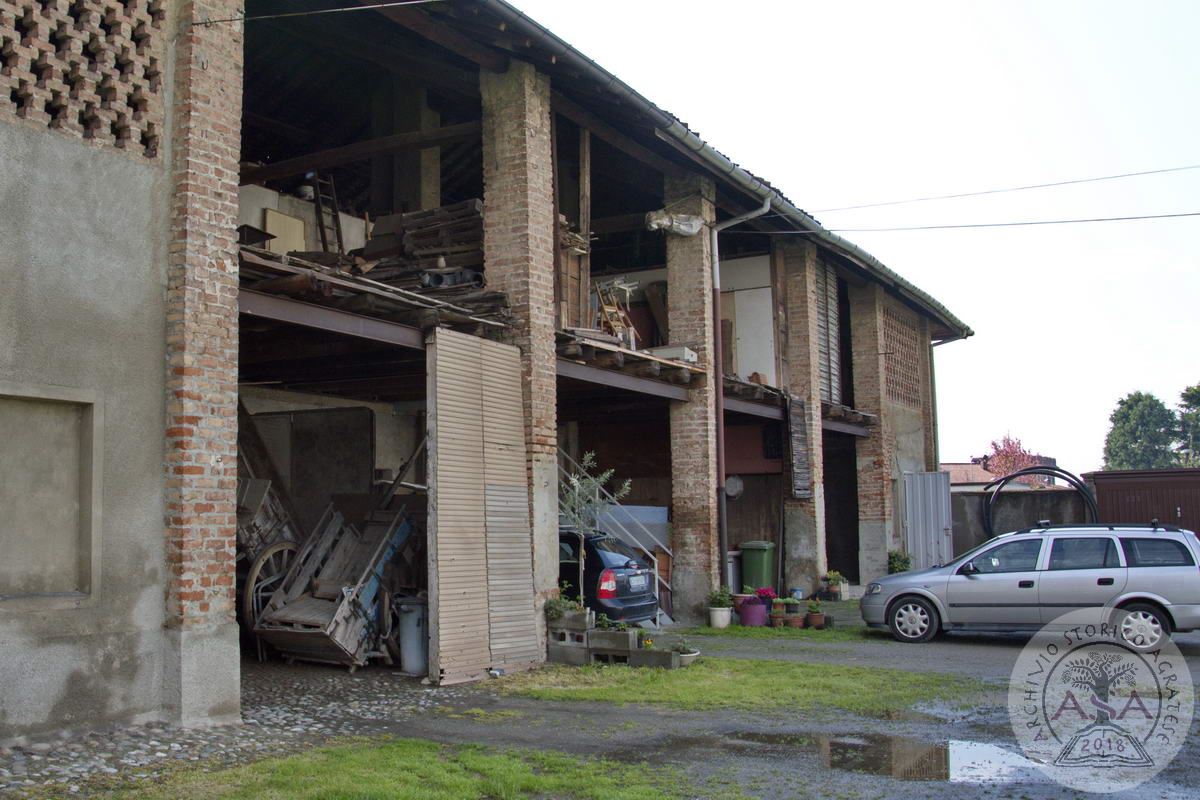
[719,381]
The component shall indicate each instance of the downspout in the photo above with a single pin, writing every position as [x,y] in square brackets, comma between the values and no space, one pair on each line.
[718,377]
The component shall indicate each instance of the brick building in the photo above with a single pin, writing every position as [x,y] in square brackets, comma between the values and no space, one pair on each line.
[163,160]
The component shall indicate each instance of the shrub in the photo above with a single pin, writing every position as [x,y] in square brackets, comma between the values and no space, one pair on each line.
[720,598]
[765,594]
[814,606]
[898,562]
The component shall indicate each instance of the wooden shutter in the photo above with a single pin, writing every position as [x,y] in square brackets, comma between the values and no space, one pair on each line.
[480,537]
[828,340]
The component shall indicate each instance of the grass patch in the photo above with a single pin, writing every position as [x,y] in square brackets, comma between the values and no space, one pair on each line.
[414,769]
[716,683]
[850,633]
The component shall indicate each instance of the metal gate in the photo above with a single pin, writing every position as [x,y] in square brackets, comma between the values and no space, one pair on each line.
[480,535]
[927,523]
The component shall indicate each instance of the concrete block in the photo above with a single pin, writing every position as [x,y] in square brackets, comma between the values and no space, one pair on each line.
[566,654]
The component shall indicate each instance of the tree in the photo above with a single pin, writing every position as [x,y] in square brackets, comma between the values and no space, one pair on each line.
[1009,455]
[582,496]
[1189,426]
[1142,435]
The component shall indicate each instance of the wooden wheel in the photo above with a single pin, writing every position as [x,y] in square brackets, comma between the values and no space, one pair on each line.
[265,575]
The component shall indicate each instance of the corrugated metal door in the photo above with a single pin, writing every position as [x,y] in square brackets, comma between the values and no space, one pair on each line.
[927,522]
[480,537]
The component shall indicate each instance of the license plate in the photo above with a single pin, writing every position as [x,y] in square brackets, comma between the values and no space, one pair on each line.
[637,581]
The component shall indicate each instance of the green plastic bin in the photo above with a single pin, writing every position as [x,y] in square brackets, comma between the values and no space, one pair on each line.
[758,564]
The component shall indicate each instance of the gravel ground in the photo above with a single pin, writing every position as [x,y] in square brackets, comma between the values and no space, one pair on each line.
[945,753]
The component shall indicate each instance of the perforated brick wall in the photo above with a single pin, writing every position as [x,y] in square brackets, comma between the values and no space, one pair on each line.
[88,68]
[902,355]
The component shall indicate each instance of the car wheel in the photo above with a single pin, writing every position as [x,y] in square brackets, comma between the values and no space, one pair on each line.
[913,619]
[1143,626]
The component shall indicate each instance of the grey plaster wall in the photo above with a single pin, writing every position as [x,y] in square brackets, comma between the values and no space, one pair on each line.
[1015,509]
[82,263]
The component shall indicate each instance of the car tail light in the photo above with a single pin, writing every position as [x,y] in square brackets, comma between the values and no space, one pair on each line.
[608,585]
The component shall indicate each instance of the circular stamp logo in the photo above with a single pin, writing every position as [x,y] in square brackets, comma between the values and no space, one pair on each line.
[1096,712]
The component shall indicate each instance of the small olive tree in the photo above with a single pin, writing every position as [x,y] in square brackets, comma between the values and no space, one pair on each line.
[581,495]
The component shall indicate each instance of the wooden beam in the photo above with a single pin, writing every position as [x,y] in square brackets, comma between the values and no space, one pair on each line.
[283,309]
[277,127]
[732,404]
[620,380]
[360,151]
[443,76]
[421,23]
[586,119]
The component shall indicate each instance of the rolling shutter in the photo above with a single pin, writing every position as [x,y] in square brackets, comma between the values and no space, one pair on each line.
[828,341]
[480,537]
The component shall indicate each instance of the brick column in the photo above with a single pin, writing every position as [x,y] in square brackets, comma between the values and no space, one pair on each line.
[874,451]
[518,248]
[804,520]
[201,681]
[693,424]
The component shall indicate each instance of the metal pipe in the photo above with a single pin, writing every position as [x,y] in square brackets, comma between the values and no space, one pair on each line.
[718,378]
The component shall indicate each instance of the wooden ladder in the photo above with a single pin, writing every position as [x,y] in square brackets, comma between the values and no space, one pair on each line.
[328,218]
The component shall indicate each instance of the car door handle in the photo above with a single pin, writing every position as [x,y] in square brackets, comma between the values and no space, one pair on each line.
[1024,584]
[1104,581]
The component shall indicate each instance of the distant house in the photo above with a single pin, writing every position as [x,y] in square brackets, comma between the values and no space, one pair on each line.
[966,476]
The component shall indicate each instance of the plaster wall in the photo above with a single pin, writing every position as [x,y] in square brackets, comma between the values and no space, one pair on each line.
[253,201]
[83,251]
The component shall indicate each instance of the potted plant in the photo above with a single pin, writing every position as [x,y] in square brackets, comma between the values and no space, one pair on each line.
[720,607]
[687,653]
[815,618]
[753,613]
[740,597]
[613,636]
[837,584]
[793,613]
[567,613]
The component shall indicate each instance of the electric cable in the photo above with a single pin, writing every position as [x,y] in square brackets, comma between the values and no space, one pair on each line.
[339,10]
[1020,223]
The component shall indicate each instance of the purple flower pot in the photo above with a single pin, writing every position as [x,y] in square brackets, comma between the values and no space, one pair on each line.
[753,615]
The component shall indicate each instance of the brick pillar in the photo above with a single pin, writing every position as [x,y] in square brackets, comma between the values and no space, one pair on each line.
[518,248]
[201,681]
[803,520]
[693,424]
[874,451]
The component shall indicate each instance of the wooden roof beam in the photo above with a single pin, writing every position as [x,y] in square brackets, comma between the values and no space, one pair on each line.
[359,151]
[441,34]
[586,119]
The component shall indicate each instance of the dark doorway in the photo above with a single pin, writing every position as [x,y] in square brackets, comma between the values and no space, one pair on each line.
[841,504]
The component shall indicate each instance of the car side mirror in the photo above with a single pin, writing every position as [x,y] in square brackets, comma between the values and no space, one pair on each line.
[969,568]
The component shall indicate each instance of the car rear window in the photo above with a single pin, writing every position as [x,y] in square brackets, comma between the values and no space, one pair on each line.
[1081,553]
[1156,553]
[613,552]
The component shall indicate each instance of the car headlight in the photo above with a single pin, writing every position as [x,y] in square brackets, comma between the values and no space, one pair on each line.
[874,588]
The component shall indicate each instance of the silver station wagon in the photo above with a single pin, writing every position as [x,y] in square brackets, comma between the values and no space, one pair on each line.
[1144,578]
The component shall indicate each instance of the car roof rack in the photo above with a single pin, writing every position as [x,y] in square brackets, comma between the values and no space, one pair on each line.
[1045,526]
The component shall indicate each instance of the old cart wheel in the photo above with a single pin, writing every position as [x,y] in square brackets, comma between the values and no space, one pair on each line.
[264,578]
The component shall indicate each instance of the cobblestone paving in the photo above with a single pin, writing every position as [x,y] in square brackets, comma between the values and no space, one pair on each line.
[284,708]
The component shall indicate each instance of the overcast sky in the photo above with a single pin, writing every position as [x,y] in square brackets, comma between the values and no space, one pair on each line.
[842,103]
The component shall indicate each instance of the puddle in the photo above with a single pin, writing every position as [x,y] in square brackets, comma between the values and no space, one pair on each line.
[901,758]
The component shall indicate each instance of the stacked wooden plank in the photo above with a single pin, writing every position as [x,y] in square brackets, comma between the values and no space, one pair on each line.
[437,252]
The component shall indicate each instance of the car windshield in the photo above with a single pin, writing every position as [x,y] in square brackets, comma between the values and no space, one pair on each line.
[613,552]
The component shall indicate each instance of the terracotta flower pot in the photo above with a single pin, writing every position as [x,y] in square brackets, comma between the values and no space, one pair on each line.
[777,620]
[794,620]
[738,599]
[815,620]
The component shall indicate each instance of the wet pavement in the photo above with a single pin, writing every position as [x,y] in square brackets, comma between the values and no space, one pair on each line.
[931,752]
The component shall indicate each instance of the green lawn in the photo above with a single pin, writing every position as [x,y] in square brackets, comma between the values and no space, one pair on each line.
[715,683]
[400,769]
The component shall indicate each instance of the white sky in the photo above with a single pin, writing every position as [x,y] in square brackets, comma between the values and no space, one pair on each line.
[848,102]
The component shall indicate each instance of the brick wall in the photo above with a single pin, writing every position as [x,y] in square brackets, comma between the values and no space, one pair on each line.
[518,246]
[804,520]
[693,424]
[202,343]
[86,68]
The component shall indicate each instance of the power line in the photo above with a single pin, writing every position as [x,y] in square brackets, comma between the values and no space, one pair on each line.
[1010,189]
[339,10]
[973,225]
